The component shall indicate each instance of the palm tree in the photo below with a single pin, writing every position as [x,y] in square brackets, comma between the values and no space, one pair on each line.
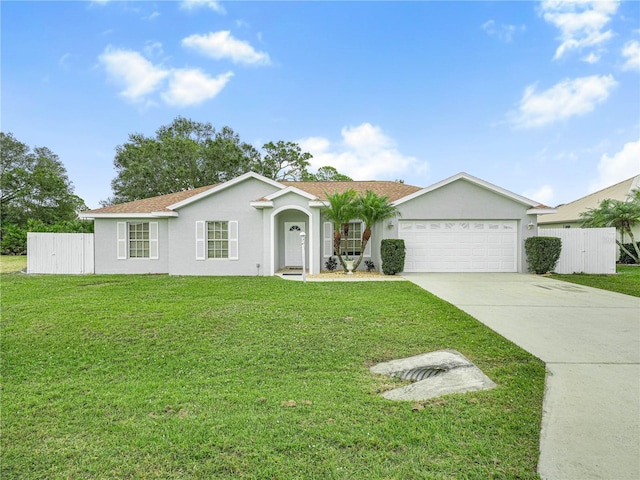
[621,215]
[339,210]
[371,209]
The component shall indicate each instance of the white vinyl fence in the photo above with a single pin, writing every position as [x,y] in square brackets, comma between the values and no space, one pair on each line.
[585,250]
[68,253]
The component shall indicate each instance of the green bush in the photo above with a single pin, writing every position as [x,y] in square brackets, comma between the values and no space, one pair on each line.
[14,237]
[625,257]
[14,240]
[542,253]
[392,253]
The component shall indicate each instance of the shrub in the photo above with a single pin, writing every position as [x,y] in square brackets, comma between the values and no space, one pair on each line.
[392,252]
[331,264]
[625,257]
[370,265]
[14,240]
[542,253]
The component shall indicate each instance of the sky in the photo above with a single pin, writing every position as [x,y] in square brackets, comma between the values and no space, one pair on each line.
[540,98]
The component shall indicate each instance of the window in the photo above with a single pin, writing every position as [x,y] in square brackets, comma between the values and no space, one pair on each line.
[218,239]
[354,239]
[137,240]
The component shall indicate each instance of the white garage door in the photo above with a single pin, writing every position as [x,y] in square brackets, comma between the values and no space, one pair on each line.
[460,246]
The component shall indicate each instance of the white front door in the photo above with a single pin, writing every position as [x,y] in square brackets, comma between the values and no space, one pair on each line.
[293,244]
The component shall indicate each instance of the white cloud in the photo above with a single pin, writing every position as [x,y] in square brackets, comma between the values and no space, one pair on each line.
[191,87]
[502,32]
[140,78]
[137,75]
[544,194]
[153,49]
[581,22]
[364,153]
[631,51]
[221,45]
[622,165]
[211,4]
[566,99]
[152,16]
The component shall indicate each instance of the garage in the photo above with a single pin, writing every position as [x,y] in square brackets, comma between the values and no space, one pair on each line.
[460,245]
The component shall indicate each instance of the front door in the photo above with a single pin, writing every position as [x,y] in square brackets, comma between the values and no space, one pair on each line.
[293,244]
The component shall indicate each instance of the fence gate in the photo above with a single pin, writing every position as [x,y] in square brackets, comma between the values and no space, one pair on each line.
[67,253]
[585,250]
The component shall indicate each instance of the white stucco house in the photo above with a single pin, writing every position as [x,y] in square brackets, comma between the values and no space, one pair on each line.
[251,226]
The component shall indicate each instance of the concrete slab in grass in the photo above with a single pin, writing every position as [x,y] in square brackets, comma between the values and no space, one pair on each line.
[436,374]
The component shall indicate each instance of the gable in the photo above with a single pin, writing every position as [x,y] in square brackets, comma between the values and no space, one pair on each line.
[463,199]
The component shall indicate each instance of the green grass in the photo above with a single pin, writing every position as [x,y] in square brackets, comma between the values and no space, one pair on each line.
[12,263]
[185,377]
[626,280]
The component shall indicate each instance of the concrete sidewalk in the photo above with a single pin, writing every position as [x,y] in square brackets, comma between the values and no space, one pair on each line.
[590,342]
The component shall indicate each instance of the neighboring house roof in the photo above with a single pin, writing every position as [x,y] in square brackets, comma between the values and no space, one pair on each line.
[570,212]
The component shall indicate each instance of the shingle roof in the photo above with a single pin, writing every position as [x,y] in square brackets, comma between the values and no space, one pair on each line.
[394,190]
[570,212]
[153,204]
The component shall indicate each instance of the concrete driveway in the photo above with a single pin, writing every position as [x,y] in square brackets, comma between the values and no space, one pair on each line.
[590,342]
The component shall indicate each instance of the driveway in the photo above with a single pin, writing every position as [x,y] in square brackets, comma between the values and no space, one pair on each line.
[590,342]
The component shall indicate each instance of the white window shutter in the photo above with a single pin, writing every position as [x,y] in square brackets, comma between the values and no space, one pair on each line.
[153,241]
[327,237]
[234,249]
[122,240]
[367,249]
[201,240]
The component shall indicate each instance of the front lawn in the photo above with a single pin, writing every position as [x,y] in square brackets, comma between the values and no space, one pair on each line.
[12,263]
[626,280]
[192,377]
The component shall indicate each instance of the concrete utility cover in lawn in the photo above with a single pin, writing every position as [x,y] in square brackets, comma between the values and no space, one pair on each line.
[435,374]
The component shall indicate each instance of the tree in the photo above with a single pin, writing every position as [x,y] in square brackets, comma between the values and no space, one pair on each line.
[183,155]
[34,185]
[326,174]
[284,161]
[187,154]
[339,211]
[372,208]
[621,215]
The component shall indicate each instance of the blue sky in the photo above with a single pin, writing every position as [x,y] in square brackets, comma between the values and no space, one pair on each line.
[541,98]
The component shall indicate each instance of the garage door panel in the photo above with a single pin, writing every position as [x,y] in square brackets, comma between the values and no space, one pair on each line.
[460,246]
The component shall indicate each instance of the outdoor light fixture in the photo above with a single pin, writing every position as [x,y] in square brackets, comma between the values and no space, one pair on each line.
[390,225]
[530,226]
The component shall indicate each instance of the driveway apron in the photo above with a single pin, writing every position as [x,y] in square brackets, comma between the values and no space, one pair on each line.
[590,342]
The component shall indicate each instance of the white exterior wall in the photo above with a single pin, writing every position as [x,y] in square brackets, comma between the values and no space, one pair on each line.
[60,253]
[106,248]
[230,204]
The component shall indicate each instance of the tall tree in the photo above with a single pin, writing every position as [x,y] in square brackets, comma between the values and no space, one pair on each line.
[371,209]
[339,211]
[621,215]
[187,154]
[183,155]
[34,185]
[284,161]
[326,174]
